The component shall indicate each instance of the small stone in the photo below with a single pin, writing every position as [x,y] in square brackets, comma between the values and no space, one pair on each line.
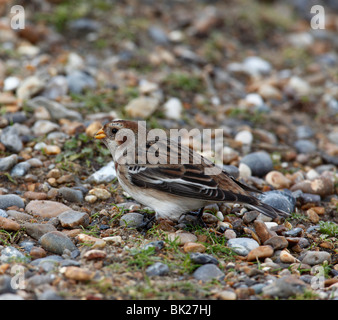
[11,83]
[3,213]
[37,253]
[312,215]
[298,86]
[283,200]
[173,108]
[286,257]
[32,195]
[182,238]
[202,258]
[141,107]
[43,127]
[194,247]
[93,128]
[244,171]
[259,162]
[10,253]
[56,87]
[208,272]
[56,242]
[7,163]
[256,66]
[230,234]
[226,295]
[322,186]
[20,169]
[250,216]
[131,219]
[46,208]
[260,252]
[52,150]
[10,139]
[100,193]
[277,242]
[71,194]
[113,239]
[294,232]
[245,137]
[94,254]
[316,257]
[79,80]
[285,287]
[157,269]
[90,198]
[77,273]
[277,180]
[73,219]
[105,175]
[96,243]
[29,87]
[262,231]
[242,246]
[10,200]
[8,224]
[305,146]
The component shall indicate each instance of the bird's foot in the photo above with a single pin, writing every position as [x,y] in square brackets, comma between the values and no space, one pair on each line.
[194,218]
[146,224]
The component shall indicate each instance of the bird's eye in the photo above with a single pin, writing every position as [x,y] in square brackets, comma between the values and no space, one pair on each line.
[114,130]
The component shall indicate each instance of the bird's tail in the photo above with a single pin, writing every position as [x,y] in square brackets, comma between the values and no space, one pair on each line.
[268,210]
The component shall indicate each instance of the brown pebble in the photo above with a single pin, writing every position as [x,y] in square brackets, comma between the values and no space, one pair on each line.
[194,247]
[312,215]
[260,252]
[94,254]
[37,253]
[262,231]
[277,242]
[77,273]
[31,195]
[8,224]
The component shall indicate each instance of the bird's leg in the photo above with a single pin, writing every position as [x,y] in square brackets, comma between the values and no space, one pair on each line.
[146,225]
[197,216]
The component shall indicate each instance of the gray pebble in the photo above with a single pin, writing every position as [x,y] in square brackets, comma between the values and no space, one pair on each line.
[27,245]
[56,242]
[158,35]
[259,162]
[73,219]
[71,194]
[316,257]
[157,269]
[131,219]
[10,253]
[8,162]
[282,200]
[20,169]
[49,263]
[305,146]
[208,272]
[294,232]
[202,258]
[232,170]
[56,87]
[285,287]
[8,200]
[104,175]
[11,140]
[49,295]
[80,80]
[37,230]
[10,296]
[304,132]
[242,246]
[3,213]
[5,284]
[153,244]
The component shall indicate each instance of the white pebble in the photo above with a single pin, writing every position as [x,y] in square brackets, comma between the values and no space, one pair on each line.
[173,108]
[11,83]
[244,171]
[244,136]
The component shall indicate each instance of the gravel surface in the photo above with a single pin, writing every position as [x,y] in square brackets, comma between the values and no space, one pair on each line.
[255,69]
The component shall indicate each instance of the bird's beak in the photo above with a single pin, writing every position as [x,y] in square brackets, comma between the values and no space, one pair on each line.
[100,134]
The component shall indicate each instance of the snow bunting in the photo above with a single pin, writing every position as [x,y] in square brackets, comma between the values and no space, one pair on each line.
[171,189]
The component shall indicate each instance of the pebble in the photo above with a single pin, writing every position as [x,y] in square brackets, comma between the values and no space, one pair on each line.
[305,146]
[71,194]
[245,137]
[8,224]
[37,253]
[55,88]
[46,208]
[250,216]
[226,295]
[77,273]
[96,243]
[94,254]
[279,199]
[259,162]
[316,257]
[277,180]
[105,175]
[208,272]
[79,80]
[229,234]
[10,253]
[141,107]
[3,213]
[131,219]
[7,163]
[113,239]
[242,246]
[321,186]
[294,232]
[173,109]
[256,66]
[157,269]
[56,242]
[277,242]
[19,216]
[100,193]
[9,200]
[94,127]
[304,132]
[11,140]
[202,258]
[32,195]
[48,263]
[43,127]
[56,110]
[285,287]
[29,87]
[262,231]
[312,215]
[90,198]
[181,238]
[73,219]
[20,169]
[11,83]
[298,86]
[286,257]
[260,252]
[193,247]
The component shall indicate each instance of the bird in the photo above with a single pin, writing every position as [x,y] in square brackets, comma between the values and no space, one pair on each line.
[172,189]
